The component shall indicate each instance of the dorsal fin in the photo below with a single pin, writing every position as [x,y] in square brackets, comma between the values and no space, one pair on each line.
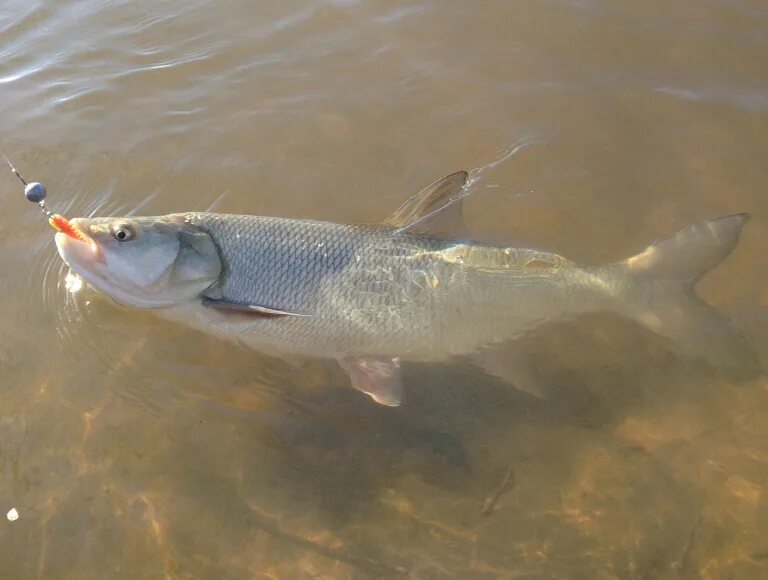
[436,209]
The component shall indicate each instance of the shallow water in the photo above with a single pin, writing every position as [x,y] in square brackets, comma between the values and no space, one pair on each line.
[133,448]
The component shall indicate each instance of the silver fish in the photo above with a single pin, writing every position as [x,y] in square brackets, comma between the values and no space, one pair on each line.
[373,295]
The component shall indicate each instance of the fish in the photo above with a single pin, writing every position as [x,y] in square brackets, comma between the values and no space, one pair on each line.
[410,288]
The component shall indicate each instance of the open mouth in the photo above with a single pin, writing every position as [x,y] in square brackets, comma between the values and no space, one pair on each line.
[73,240]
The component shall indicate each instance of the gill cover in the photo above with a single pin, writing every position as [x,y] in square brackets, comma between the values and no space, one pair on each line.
[149,262]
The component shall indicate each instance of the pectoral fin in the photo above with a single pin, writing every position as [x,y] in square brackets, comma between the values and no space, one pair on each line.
[377,377]
[249,308]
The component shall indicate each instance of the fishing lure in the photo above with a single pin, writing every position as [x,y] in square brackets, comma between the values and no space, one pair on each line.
[36,193]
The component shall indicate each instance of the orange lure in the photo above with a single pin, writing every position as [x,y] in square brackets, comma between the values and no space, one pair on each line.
[61,224]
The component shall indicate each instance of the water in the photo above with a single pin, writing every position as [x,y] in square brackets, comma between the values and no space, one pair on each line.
[133,448]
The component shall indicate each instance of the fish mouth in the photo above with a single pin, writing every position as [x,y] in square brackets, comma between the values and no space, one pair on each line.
[81,250]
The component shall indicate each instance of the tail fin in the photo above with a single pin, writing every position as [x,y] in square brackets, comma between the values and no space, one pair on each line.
[691,252]
[662,297]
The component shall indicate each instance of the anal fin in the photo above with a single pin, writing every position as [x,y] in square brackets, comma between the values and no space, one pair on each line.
[511,366]
[376,376]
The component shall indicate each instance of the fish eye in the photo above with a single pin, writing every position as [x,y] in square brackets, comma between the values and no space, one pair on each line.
[122,231]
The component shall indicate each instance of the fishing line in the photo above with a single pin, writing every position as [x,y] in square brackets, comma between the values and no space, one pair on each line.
[36,193]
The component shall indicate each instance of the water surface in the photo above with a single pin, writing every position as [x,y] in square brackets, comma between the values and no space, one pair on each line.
[133,448]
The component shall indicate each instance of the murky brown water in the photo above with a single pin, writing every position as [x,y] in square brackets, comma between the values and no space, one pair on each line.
[133,448]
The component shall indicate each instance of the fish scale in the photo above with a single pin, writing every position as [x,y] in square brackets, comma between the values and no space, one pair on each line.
[371,289]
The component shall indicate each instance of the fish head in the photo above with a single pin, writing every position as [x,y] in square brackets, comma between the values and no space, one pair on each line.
[147,262]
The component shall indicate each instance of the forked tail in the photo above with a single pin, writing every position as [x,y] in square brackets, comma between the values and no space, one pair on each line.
[661,293]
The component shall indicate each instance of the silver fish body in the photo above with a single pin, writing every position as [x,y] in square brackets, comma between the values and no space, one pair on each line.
[376,291]
[373,295]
